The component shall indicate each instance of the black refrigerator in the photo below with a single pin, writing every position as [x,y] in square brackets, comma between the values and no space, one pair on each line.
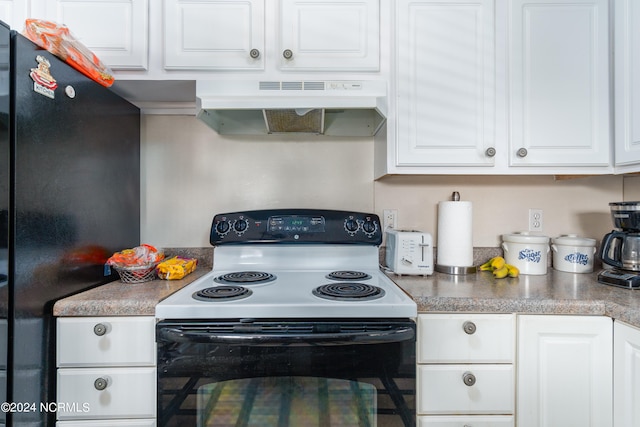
[69,197]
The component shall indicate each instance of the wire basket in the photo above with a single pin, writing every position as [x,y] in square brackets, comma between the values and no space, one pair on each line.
[138,274]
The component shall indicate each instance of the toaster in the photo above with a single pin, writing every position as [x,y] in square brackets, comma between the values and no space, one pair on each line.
[409,252]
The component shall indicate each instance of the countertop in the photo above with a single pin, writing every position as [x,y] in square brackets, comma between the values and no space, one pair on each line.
[554,293]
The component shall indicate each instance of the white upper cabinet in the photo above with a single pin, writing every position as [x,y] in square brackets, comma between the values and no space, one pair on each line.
[116,31]
[499,87]
[627,85]
[559,83]
[214,34]
[14,13]
[446,72]
[329,35]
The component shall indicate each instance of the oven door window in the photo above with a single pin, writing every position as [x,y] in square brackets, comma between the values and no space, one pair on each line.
[293,401]
[286,377]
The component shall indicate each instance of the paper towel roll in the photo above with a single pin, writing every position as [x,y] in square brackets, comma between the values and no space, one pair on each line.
[455,234]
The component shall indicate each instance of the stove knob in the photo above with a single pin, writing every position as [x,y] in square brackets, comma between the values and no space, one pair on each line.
[351,225]
[369,226]
[222,227]
[241,225]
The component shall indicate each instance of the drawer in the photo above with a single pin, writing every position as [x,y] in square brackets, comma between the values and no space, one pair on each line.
[107,423]
[128,393]
[466,338]
[441,389]
[105,341]
[466,421]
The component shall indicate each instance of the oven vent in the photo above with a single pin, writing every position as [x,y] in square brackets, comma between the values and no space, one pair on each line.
[322,107]
[291,85]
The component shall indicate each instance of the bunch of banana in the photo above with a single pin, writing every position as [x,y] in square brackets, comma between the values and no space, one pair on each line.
[499,267]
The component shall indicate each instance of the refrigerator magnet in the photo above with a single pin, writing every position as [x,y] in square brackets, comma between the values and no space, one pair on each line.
[43,81]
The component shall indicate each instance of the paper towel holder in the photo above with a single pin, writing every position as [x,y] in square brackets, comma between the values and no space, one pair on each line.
[449,269]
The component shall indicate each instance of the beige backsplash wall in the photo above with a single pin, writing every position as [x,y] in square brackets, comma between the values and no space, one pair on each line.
[189,173]
[501,203]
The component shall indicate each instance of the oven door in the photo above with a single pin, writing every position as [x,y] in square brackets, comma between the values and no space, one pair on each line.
[339,372]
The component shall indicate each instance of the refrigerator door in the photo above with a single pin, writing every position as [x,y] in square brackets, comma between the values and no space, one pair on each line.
[4,210]
[76,200]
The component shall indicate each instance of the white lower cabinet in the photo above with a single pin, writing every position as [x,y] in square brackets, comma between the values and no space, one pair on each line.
[465,421]
[526,370]
[626,375]
[106,371]
[565,367]
[465,373]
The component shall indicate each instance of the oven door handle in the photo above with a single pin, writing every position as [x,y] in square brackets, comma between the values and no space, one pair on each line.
[182,335]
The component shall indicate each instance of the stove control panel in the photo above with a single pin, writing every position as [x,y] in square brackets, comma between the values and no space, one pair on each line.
[296,226]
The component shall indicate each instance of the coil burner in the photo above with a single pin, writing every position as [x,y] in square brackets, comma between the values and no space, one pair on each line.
[348,275]
[348,291]
[245,277]
[222,293]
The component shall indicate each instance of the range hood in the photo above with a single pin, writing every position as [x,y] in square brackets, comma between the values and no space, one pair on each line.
[334,108]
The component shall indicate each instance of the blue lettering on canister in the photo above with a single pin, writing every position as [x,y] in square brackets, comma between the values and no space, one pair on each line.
[577,258]
[530,255]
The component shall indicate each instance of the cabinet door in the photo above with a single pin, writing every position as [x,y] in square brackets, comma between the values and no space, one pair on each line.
[214,34]
[559,83]
[14,13]
[466,338]
[626,375]
[465,421]
[108,423]
[446,83]
[116,31]
[329,35]
[445,389]
[105,341]
[106,393]
[627,82]
[564,371]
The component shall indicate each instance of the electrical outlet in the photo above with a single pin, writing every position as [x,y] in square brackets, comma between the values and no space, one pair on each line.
[389,219]
[535,219]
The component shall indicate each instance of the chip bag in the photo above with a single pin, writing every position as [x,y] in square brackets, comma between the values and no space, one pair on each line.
[176,268]
[143,255]
[57,39]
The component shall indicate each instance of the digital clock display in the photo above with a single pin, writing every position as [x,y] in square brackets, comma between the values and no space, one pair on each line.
[296,224]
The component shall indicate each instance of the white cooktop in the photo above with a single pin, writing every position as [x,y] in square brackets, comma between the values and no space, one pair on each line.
[298,269]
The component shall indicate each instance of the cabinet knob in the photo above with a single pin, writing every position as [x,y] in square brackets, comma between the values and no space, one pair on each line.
[100,329]
[469,327]
[522,152]
[101,383]
[287,53]
[254,53]
[490,152]
[468,378]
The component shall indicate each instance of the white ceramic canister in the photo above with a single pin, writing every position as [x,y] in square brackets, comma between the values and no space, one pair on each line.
[527,252]
[573,254]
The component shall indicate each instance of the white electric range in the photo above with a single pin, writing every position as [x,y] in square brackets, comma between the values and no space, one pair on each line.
[294,263]
[296,319]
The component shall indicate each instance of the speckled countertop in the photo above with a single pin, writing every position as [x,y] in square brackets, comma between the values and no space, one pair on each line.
[554,293]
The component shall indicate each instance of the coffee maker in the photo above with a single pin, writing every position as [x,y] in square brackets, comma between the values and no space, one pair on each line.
[620,249]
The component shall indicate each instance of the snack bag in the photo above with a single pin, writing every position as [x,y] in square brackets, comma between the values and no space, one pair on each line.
[58,40]
[143,255]
[176,268]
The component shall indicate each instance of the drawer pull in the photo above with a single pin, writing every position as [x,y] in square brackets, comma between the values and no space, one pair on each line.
[100,329]
[287,54]
[254,53]
[101,383]
[468,378]
[469,327]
